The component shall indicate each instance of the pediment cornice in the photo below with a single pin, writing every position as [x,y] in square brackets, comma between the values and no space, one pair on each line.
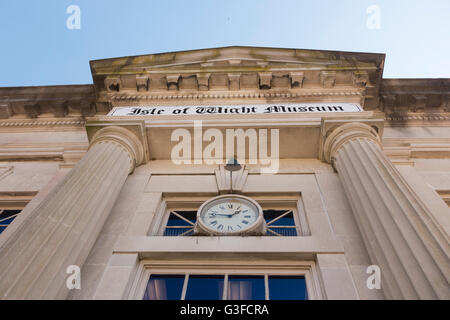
[236,58]
[242,71]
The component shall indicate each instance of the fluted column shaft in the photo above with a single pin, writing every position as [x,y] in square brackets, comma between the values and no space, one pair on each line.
[398,230]
[63,228]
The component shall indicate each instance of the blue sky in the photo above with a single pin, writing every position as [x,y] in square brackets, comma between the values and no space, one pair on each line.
[37,48]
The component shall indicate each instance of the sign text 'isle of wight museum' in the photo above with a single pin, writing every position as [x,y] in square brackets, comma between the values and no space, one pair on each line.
[287,108]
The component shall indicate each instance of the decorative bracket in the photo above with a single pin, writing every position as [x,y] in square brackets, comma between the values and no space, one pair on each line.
[224,182]
[113,84]
[59,108]
[142,83]
[172,81]
[32,110]
[5,111]
[87,108]
[388,101]
[327,79]
[296,79]
[360,78]
[265,79]
[420,103]
[203,81]
[234,81]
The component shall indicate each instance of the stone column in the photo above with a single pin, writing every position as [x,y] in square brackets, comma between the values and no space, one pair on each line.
[399,232]
[63,228]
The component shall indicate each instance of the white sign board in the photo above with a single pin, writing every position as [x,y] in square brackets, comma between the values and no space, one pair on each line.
[278,108]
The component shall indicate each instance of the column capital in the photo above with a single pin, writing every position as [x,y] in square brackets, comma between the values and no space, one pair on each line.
[335,134]
[129,135]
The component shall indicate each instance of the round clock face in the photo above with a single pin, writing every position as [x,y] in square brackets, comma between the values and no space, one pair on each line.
[230,214]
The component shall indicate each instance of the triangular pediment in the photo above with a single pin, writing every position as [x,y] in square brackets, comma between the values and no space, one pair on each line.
[237,58]
[236,69]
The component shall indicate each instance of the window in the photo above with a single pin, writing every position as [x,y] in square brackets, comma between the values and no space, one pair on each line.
[284,213]
[164,287]
[279,223]
[287,288]
[188,277]
[6,217]
[229,286]
[246,287]
[180,223]
[204,287]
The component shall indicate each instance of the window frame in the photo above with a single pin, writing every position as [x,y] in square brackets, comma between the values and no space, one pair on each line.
[15,200]
[13,216]
[306,269]
[295,216]
[267,201]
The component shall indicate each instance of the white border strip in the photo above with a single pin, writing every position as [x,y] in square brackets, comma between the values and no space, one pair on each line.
[244,109]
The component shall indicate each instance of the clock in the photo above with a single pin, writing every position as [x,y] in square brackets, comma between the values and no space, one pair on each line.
[230,215]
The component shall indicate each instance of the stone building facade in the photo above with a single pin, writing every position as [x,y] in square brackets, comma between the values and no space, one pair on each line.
[84,182]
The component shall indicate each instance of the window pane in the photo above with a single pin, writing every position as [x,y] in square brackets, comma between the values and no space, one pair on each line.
[287,232]
[287,220]
[287,288]
[246,288]
[205,287]
[7,213]
[7,221]
[172,232]
[176,221]
[164,287]
[177,226]
[6,217]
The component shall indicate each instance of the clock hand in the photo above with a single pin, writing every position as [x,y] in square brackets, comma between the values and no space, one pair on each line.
[222,214]
[229,215]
